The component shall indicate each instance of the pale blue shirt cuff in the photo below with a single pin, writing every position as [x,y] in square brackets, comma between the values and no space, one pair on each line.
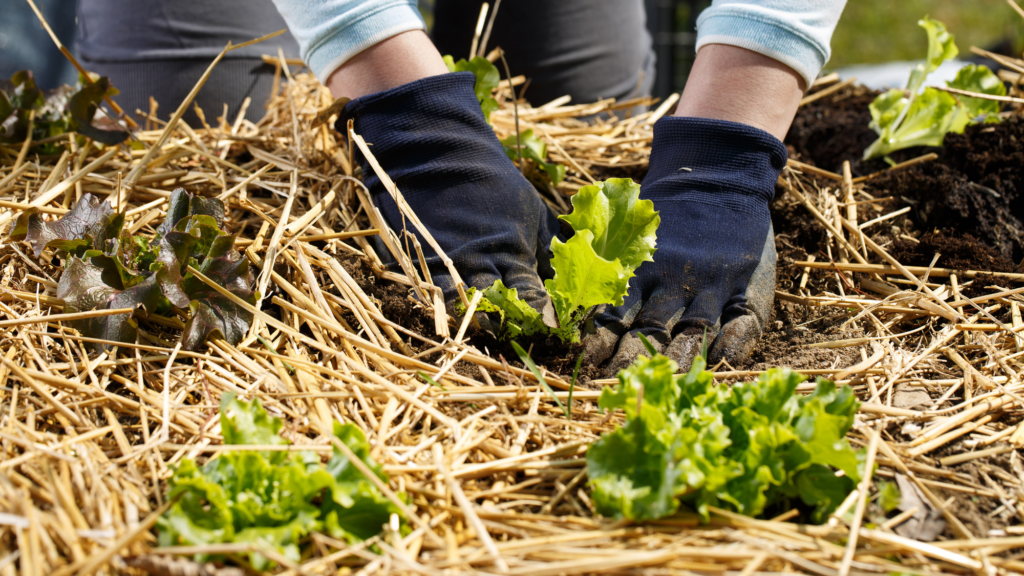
[796,33]
[331,32]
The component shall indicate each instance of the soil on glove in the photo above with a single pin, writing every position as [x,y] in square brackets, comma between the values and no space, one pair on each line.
[975,187]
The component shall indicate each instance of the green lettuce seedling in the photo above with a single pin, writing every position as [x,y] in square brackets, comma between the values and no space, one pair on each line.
[487,78]
[272,499]
[614,235]
[915,117]
[535,149]
[742,447]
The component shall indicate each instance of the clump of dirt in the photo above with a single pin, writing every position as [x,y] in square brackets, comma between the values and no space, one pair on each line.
[976,186]
[959,253]
[393,298]
[398,305]
[833,129]
[546,351]
[793,327]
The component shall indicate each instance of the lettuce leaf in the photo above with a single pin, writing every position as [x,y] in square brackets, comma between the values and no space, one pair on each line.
[517,317]
[91,223]
[742,448]
[615,234]
[106,268]
[535,149]
[487,78]
[941,47]
[978,78]
[273,499]
[63,109]
[915,117]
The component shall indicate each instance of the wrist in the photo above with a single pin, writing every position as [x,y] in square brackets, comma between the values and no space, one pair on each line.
[719,162]
[399,60]
[738,85]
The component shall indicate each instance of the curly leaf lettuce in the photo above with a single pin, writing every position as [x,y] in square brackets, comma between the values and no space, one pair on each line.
[57,111]
[517,317]
[108,269]
[273,499]
[91,223]
[915,117]
[741,448]
[978,78]
[941,47]
[615,234]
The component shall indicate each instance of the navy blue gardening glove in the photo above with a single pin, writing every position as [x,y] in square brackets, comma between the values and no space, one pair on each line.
[431,138]
[713,276]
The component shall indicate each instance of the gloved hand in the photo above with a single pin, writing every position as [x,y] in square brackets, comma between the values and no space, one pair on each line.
[430,137]
[713,275]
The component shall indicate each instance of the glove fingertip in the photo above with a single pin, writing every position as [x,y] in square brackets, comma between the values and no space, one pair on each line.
[737,340]
[630,347]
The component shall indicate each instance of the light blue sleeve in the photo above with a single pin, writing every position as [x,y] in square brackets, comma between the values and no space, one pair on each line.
[794,32]
[330,32]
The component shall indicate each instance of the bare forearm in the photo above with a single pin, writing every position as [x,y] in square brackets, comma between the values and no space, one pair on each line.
[735,84]
[401,59]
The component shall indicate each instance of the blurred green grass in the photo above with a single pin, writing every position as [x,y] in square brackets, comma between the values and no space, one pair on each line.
[873,31]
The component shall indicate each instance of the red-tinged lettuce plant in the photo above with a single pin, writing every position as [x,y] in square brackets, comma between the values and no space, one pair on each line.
[107,268]
[57,111]
[915,117]
[740,447]
[614,235]
[272,499]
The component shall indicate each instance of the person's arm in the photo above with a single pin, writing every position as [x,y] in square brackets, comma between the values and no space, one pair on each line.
[430,136]
[735,84]
[755,58]
[712,175]
[359,47]
[401,59]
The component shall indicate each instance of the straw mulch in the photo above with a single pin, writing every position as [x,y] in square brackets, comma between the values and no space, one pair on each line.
[495,473]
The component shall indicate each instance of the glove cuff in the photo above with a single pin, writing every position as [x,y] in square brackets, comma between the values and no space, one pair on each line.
[431,126]
[444,93]
[714,161]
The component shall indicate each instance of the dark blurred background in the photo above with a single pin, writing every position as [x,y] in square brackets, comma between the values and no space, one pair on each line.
[24,45]
[870,31]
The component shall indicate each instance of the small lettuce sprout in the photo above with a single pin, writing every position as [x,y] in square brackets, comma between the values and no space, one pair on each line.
[916,117]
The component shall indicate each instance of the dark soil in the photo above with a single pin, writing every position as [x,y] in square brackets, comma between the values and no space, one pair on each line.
[398,305]
[959,253]
[975,187]
[793,327]
[393,299]
[548,352]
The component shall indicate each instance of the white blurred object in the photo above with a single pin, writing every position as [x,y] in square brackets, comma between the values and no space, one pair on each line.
[896,74]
